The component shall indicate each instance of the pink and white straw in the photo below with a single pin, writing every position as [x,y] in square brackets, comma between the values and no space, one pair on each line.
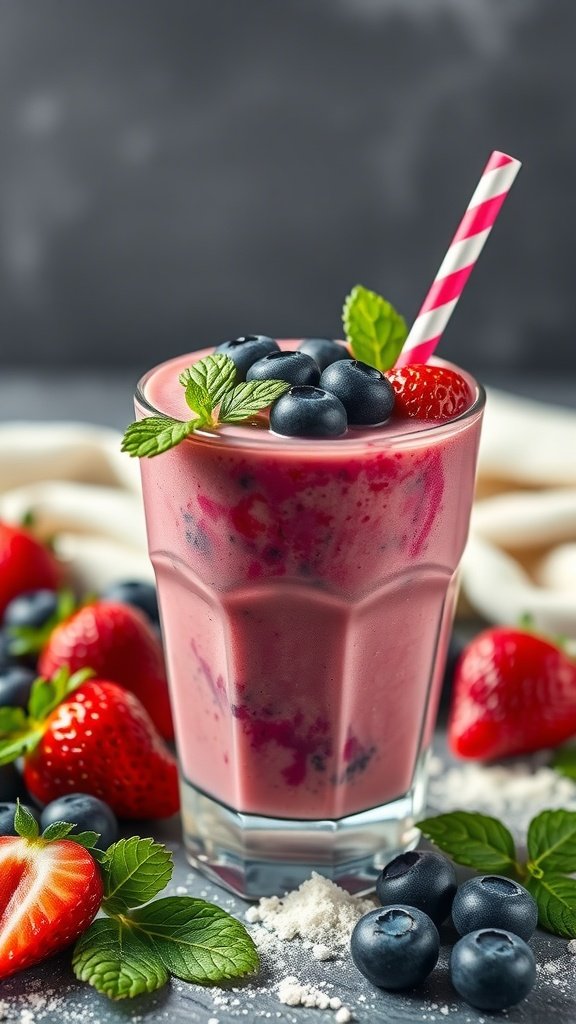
[467,244]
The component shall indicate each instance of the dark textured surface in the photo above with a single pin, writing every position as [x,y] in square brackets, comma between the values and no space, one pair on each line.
[181,172]
[52,994]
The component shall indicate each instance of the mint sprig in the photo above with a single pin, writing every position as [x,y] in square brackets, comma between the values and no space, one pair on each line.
[484,843]
[374,330]
[213,396]
[142,943]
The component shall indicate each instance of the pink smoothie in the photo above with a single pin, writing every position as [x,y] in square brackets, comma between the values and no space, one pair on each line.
[306,590]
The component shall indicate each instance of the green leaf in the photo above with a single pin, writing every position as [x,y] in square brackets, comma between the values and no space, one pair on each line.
[196,940]
[25,823]
[564,762]
[111,958]
[552,843]
[12,720]
[474,840]
[87,839]
[19,745]
[375,330]
[57,830]
[155,434]
[135,870]
[556,899]
[248,398]
[215,374]
[199,401]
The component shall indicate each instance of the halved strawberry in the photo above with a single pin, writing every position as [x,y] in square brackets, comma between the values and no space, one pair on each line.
[428,392]
[513,693]
[50,891]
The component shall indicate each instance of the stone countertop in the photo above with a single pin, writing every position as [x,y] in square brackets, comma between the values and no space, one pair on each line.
[50,994]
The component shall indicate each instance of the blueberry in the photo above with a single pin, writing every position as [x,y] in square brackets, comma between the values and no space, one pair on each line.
[88,813]
[8,658]
[32,608]
[491,901]
[422,879]
[11,784]
[308,412]
[15,685]
[324,351]
[366,394]
[246,350]
[395,947]
[7,812]
[492,969]
[294,367]
[138,593]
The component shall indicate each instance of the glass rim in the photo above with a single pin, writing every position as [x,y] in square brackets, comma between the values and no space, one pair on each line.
[267,439]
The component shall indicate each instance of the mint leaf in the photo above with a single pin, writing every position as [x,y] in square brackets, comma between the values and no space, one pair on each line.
[375,330]
[215,374]
[199,401]
[25,823]
[474,840]
[155,434]
[196,940]
[134,871]
[552,843]
[57,830]
[564,762]
[12,720]
[249,398]
[556,899]
[111,958]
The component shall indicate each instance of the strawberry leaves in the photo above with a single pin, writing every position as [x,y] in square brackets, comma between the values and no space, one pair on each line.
[21,731]
[213,396]
[483,843]
[140,946]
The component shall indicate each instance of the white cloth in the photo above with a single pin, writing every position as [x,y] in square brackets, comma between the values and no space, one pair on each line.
[521,557]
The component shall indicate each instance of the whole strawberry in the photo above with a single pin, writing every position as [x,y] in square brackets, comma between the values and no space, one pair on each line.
[25,564]
[91,736]
[427,392]
[50,891]
[513,693]
[119,644]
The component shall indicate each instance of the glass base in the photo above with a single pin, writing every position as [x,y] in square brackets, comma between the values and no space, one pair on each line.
[256,856]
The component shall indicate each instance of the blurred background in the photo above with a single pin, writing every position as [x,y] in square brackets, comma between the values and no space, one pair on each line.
[176,173]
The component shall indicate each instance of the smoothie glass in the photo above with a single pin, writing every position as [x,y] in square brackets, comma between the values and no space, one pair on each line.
[307,590]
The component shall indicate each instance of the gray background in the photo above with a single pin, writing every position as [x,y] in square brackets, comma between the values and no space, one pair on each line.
[175,172]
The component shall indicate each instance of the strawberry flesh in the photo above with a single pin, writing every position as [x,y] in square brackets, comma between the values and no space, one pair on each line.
[427,392]
[49,894]
[513,693]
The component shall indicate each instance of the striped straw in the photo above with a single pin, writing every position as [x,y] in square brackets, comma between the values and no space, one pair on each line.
[467,244]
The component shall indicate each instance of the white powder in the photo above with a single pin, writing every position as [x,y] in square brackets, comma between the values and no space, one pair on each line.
[292,993]
[515,793]
[318,911]
[571,947]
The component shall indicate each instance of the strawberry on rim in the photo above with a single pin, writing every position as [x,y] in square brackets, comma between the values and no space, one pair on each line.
[427,392]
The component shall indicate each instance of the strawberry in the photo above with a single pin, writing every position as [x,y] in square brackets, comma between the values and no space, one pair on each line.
[119,644]
[428,392]
[50,891]
[513,693]
[99,740]
[25,564]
